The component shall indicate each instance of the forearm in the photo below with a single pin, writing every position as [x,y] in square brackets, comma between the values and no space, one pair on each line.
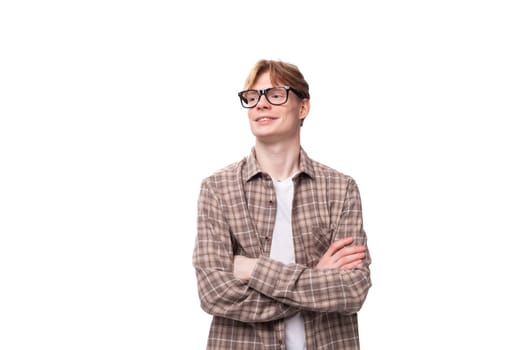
[223,295]
[220,292]
[312,289]
[329,287]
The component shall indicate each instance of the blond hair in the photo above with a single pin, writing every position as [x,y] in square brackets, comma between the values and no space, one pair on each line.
[280,73]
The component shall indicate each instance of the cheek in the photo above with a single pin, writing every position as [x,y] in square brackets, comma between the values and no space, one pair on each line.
[293,117]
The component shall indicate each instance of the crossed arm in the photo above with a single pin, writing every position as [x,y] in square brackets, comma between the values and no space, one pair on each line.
[262,289]
[338,256]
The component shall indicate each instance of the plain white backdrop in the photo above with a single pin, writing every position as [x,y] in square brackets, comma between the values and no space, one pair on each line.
[112,112]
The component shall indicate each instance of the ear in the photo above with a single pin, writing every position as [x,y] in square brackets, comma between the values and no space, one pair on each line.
[304,109]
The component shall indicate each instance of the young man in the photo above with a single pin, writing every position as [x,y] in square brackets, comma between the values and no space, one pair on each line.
[280,254]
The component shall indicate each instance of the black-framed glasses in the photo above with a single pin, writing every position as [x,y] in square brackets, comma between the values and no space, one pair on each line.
[276,96]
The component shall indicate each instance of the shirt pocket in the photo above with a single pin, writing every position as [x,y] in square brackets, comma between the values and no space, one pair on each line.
[318,240]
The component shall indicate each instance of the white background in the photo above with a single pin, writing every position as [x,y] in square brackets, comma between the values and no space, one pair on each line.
[112,112]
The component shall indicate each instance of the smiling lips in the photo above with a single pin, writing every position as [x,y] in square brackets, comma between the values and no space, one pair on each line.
[264,119]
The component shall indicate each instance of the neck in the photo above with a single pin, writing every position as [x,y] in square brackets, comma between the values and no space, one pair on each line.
[280,160]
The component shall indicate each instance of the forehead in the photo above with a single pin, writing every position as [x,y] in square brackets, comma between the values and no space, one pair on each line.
[263,82]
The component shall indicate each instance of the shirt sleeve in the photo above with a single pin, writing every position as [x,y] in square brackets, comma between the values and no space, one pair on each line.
[220,293]
[329,290]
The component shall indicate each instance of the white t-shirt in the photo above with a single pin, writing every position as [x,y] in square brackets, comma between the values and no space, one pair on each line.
[282,250]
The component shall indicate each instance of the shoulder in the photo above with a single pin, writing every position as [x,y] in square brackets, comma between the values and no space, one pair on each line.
[322,173]
[340,189]
[326,173]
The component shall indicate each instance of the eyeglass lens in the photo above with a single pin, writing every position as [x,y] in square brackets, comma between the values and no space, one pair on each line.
[276,96]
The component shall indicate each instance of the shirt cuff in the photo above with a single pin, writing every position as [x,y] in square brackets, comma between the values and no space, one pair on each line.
[265,275]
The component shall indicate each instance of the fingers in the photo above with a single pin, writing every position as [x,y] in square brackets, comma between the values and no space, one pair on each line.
[243,267]
[346,257]
[340,255]
[337,245]
[350,259]
[351,266]
[346,251]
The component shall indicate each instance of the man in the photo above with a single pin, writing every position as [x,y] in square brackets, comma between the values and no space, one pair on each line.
[280,254]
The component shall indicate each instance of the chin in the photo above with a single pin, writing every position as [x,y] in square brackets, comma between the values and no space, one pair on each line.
[261,133]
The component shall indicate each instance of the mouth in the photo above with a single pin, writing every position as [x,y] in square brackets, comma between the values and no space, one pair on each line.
[264,119]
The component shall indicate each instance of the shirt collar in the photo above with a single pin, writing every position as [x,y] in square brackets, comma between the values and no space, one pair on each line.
[252,167]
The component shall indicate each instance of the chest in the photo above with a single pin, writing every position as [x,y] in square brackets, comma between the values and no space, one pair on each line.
[313,215]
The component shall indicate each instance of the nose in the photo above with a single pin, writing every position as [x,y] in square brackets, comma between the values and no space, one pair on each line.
[263,103]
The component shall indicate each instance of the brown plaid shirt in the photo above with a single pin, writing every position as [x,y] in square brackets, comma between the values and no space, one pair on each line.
[236,215]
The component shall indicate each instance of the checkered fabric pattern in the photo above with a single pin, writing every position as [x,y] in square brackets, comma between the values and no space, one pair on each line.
[236,215]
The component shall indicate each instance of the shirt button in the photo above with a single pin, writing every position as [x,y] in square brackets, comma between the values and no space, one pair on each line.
[270,202]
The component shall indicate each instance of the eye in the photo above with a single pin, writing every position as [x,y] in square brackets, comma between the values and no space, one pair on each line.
[250,96]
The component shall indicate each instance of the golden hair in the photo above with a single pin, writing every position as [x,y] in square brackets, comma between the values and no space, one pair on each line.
[280,73]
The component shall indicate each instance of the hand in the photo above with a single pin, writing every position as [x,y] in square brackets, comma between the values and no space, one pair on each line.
[340,256]
[243,267]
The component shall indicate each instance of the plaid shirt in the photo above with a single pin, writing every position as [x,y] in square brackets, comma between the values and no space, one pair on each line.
[236,215]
